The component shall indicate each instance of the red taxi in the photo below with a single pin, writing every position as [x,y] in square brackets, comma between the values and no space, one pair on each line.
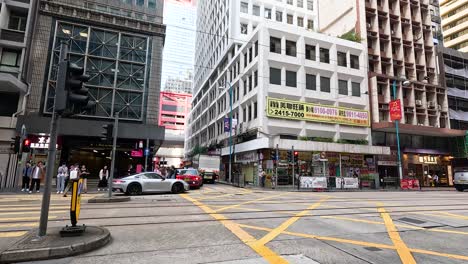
[190,176]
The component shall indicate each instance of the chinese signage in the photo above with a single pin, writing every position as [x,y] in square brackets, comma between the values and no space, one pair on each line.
[295,110]
[428,159]
[42,143]
[395,110]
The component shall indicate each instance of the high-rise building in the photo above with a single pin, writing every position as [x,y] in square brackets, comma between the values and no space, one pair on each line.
[181,84]
[16,30]
[434,9]
[119,44]
[454,14]
[285,86]
[179,46]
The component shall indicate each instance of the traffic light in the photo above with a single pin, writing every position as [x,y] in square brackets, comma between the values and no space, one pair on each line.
[273,155]
[290,158]
[26,145]
[108,131]
[70,92]
[296,157]
[15,145]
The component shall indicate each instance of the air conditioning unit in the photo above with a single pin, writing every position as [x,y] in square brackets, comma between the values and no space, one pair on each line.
[418,103]
[384,107]
[240,128]
[438,126]
[410,110]
[420,124]
[369,26]
[439,107]
[432,104]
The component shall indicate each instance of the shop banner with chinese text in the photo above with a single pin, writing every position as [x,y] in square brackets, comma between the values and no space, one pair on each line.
[295,110]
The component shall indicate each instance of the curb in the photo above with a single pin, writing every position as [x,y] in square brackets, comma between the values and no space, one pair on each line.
[47,252]
[113,199]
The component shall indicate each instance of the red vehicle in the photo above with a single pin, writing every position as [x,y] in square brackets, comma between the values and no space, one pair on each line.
[191,177]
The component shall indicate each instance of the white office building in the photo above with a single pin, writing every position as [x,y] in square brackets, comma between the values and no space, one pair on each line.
[291,87]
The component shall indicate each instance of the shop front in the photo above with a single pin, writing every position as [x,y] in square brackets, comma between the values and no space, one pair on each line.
[427,168]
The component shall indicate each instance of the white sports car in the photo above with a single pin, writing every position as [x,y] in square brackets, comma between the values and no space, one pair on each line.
[148,182]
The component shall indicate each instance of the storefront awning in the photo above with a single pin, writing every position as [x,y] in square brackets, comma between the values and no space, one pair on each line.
[418,130]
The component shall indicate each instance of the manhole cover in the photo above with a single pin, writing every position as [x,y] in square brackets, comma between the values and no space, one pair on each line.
[412,220]
[373,249]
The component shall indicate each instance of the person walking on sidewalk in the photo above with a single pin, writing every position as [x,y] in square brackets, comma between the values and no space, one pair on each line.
[26,177]
[61,175]
[37,174]
[73,176]
[103,176]
[84,175]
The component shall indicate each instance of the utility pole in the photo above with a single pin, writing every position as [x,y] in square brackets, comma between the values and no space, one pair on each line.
[293,162]
[114,149]
[50,166]
[277,163]
[24,156]
[230,133]
[146,154]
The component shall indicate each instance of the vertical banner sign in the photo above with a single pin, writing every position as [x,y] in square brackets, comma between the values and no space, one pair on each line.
[227,124]
[76,201]
[395,110]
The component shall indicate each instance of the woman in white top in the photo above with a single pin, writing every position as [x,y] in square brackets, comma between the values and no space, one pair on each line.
[103,176]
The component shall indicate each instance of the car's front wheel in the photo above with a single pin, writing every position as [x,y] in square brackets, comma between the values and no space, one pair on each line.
[134,189]
[459,188]
[177,188]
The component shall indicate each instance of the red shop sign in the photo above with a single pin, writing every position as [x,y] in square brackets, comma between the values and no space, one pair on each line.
[395,110]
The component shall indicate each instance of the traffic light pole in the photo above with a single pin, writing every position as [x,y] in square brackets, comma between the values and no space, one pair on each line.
[23,156]
[114,149]
[51,156]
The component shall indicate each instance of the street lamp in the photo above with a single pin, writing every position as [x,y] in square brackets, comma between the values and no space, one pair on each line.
[230,129]
[404,82]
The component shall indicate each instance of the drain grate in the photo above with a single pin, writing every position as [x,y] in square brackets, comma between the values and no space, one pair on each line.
[411,220]
[373,249]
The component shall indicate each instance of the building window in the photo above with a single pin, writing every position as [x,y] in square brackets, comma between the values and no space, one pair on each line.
[310,4]
[310,24]
[255,110]
[342,61]
[255,78]
[250,54]
[343,87]
[250,112]
[279,16]
[289,19]
[243,28]
[245,86]
[275,76]
[256,10]
[310,52]
[256,48]
[267,13]
[324,55]
[300,3]
[10,58]
[152,4]
[290,48]
[275,45]
[300,21]
[311,82]
[140,2]
[244,7]
[354,62]
[290,2]
[291,79]
[244,114]
[325,84]
[245,59]
[356,89]
[250,83]
[17,22]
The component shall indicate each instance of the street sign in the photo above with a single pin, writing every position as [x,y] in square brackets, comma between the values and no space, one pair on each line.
[395,110]
[147,152]
[75,205]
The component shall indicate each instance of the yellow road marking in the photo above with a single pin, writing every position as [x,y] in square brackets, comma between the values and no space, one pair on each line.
[24,218]
[446,214]
[361,243]
[29,213]
[397,225]
[277,231]
[402,250]
[12,234]
[19,225]
[249,202]
[223,195]
[245,237]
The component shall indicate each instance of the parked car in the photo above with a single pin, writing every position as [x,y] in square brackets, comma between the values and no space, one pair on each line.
[190,176]
[148,182]
[460,179]
[209,176]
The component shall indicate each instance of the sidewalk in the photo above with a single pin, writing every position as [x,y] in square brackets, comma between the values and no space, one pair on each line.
[289,188]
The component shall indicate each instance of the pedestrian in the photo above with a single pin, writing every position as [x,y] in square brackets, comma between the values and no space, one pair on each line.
[103,177]
[156,169]
[61,175]
[436,180]
[130,170]
[26,177]
[73,176]
[170,172]
[84,174]
[263,178]
[37,174]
